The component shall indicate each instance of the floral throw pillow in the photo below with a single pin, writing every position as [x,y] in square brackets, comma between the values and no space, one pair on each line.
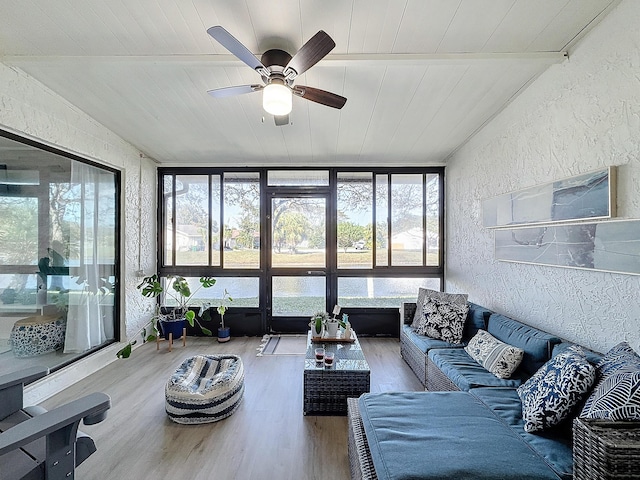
[443,320]
[424,293]
[498,357]
[552,393]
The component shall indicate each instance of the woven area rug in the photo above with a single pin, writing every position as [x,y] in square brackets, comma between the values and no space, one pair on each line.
[283,345]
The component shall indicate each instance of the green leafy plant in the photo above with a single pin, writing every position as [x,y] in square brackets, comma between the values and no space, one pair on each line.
[180,291]
[222,308]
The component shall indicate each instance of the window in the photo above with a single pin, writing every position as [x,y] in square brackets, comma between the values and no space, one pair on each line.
[59,256]
[306,238]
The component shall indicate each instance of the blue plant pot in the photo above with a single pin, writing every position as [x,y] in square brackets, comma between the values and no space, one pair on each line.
[224,334]
[174,328]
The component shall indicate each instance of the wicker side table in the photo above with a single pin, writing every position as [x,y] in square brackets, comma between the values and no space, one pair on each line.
[606,450]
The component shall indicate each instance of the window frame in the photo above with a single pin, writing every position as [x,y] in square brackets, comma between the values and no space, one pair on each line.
[332,271]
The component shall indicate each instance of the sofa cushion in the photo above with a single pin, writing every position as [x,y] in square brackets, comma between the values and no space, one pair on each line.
[465,372]
[554,445]
[498,357]
[537,345]
[443,320]
[424,293]
[437,435]
[553,392]
[423,342]
[593,357]
[476,319]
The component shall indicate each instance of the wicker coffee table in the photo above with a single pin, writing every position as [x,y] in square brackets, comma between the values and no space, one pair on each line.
[326,389]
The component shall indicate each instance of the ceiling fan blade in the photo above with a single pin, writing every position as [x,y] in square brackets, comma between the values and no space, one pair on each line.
[320,96]
[281,120]
[233,91]
[232,44]
[316,48]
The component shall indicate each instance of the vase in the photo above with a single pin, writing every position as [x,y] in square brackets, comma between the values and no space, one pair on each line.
[224,334]
[175,327]
[332,329]
[317,328]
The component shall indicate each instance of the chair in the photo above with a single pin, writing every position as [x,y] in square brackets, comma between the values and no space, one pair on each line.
[40,444]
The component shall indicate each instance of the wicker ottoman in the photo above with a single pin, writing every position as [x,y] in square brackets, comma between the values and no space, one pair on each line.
[205,388]
[37,335]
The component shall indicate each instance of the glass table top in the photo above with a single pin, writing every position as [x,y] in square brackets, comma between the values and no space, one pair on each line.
[348,356]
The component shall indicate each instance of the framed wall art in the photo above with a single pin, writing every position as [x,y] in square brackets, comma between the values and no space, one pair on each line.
[586,196]
[611,246]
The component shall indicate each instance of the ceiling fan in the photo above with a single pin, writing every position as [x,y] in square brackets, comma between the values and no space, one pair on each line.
[278,70]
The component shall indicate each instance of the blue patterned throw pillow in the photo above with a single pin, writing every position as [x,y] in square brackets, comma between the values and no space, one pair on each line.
[443,320]
[552,393]
[617,398]
[621,358]
[617,393]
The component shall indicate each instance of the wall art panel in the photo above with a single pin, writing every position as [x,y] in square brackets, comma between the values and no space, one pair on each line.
[586,196]
[612,246]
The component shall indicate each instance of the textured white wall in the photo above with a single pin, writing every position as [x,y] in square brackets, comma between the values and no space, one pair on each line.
[31,110]
[579,116]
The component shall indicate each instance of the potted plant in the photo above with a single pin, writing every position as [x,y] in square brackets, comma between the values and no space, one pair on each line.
[224,333]
[172,318]
[318,323]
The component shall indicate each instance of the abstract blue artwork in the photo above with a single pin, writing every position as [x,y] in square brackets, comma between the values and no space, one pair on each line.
[612,246]
[587,196]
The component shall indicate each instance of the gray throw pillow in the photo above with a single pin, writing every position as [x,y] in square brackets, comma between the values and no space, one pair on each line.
[424,293]
[443,320]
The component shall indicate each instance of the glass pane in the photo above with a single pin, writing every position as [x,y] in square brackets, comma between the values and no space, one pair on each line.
[243,290]
[192,220]
[355,220]
[406,220]
[216,221]
[433,219]
[298,296]
[241,235]
[18,230]
[167,209]
[382,220]
[298,230]
[381,292]
[297,178]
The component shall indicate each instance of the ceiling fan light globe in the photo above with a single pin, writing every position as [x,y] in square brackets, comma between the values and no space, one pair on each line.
[277,99]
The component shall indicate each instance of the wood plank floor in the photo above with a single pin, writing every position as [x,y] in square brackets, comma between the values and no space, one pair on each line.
[267,437]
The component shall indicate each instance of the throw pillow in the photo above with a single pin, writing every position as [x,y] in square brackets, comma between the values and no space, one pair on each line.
[498,357]
[443,320]
[619,360]
[617,398]
[424,293]
[552,393]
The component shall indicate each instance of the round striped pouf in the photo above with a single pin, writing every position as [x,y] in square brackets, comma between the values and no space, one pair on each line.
[205,388]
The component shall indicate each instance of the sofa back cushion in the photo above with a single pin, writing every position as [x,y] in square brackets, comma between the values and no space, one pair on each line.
[477,319]
[537,345]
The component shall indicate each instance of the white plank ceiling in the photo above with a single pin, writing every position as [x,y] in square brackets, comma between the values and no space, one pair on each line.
[420,76]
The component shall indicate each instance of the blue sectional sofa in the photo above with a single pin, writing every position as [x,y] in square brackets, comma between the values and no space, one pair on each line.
[469,424]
